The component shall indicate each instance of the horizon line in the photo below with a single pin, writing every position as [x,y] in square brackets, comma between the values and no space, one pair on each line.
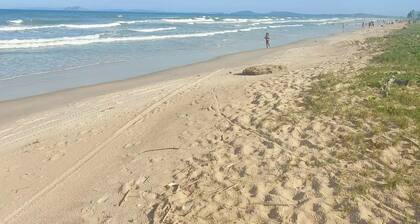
[81,9]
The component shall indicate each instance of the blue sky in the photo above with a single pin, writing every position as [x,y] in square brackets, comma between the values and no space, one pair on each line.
[385,7]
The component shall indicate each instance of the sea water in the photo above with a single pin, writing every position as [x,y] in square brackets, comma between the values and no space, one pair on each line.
[47,51]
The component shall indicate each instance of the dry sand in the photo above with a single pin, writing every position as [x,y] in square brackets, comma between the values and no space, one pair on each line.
[198,144]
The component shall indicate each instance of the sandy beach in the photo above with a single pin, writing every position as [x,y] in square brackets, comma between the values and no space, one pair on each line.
[196,144]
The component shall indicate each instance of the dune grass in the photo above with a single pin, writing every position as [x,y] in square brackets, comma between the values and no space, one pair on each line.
[400,109]
[401,59]
[380,122]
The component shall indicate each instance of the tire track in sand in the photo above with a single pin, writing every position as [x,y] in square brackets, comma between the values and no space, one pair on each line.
[78,165]
[44,126]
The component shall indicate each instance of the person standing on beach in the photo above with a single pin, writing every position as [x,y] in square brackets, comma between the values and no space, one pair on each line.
[267,40]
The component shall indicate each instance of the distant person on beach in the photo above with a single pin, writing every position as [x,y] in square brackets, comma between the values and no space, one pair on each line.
[372,24]
[267,40]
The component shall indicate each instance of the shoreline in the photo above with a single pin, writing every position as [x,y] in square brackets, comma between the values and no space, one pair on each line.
[22,81]
[17,108]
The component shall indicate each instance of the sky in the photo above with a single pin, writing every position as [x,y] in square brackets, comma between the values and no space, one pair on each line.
[383,7]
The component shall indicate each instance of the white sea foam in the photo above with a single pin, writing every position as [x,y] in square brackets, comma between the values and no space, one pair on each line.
[90,26]
[69,26]
[235,20]
[273,21]
[208,20]
[266,27]
[190,20]
[286,21]
[30,43]
[16,21]
[14,28]
[101,38]
[286,25]
[265,20]
[152,30]
[337,21]
[252,28]
[92,39]
[328,20]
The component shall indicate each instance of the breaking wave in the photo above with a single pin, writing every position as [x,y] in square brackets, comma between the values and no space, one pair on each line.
[16,21]
[152,30]
[98,38]
[68,26]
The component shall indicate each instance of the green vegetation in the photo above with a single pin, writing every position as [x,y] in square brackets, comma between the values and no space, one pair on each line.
[322,99]
[381,107]
[401,60]
[362,98]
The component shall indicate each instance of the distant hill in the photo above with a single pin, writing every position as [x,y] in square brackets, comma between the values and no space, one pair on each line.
[132,10]
[292,14]
[244,13]
[74,8]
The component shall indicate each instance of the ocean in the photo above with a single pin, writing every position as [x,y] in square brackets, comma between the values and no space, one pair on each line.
[47,51]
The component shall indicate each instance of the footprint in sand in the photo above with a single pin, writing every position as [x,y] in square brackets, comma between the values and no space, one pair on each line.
[320,214]
[253,191]
[274,214]
[268,198]
[299,196]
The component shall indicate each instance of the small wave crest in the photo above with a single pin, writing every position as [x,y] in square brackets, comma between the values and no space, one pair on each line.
[208,20]
[336,21]
[69,26]
[33,43]
[101,38]
[98,38]
[252,28]
[289,25]
[15,22]
[190,20]
[266,27]
[152,30]
[253,22]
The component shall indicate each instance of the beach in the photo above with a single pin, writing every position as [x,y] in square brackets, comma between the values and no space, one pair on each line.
[201,143]
[48,51]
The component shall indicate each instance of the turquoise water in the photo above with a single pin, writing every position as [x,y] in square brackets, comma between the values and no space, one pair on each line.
[46,51]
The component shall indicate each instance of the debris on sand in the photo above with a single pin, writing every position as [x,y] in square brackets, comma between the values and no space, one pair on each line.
[262,70]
